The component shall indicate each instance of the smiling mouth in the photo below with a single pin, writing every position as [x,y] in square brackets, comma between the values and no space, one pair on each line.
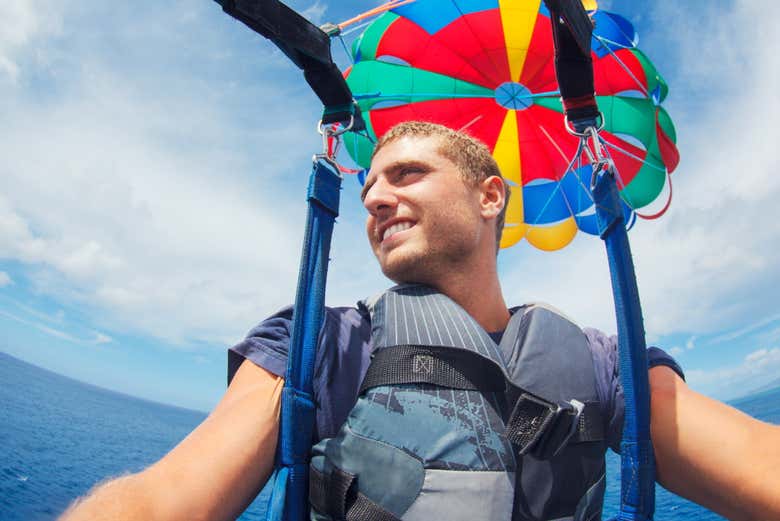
[398,227]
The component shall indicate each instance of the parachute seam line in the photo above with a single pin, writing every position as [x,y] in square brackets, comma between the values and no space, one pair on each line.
[474,34]
[464,59]
[558,185]
[624,66]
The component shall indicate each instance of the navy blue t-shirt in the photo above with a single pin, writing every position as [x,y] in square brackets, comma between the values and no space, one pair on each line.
[344,352]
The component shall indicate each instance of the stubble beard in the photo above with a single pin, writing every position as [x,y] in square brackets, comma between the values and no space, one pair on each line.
[432,263]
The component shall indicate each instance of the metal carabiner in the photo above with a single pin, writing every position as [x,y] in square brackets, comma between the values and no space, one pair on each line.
[331,131]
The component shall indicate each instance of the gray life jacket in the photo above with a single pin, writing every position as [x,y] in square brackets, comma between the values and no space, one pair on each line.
[450,425]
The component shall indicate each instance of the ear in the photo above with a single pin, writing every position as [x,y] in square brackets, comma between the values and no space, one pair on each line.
[492,197]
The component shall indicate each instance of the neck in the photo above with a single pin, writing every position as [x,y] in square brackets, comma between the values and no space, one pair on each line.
[478,291]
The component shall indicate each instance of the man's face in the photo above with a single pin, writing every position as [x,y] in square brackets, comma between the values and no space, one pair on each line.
[423,218]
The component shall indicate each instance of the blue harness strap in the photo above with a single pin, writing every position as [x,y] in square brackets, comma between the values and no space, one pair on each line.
[571,29]
[637,491]
[289,499]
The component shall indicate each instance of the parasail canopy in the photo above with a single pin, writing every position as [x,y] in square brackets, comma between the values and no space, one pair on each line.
[486,67]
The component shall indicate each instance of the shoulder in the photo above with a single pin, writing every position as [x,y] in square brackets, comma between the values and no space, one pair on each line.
[606,365]
[268,343]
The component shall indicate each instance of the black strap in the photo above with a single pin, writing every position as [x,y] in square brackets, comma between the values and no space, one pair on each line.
[543,428]
[443,366]
[572,30]
[336,495]
[363,509]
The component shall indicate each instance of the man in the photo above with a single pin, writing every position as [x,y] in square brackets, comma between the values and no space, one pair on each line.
[435,203]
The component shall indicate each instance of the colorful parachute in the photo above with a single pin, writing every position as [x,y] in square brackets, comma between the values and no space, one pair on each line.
[486,66]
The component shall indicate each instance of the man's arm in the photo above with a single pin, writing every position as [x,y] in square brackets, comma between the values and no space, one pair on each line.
[713,454]
[214,473]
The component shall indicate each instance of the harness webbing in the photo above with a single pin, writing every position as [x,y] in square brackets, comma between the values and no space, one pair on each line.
[572,33]
[297,415]
[637,472]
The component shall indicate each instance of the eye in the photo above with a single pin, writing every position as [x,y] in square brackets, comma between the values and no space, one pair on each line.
[409,170]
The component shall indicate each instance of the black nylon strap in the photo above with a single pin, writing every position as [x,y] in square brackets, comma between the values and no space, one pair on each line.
[336,495]
[543,428]
[318,490]
[591,424]
[363,509]
[572,29]
[443,366]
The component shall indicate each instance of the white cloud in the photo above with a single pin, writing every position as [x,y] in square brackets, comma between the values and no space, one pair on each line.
[101,338]
[315,12]
[22,21]
[9,68]
[742,331]
[147,191]
[5,279]
[757,368]
[676,351]
[55,332]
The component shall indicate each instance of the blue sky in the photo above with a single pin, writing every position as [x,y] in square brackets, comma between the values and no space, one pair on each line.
[154,162]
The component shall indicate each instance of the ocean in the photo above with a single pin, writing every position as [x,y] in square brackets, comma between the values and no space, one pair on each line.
[59,437]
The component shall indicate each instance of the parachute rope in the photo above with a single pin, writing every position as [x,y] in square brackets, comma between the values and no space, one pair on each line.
[622,64]
[355,29]
[634,156]
[467,125]
[374,12]
[346,50]
[558,188]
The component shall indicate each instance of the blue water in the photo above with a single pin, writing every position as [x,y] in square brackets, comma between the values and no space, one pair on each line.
[59,437]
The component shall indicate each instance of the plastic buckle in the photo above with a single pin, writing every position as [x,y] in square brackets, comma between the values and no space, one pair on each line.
[573,409]
[543,428]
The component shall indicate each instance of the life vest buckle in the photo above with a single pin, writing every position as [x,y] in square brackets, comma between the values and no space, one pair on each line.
[542,428]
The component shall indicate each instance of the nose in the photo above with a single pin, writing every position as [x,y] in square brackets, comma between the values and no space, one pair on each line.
[380,197]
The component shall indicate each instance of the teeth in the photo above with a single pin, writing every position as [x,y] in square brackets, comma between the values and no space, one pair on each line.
[398,227]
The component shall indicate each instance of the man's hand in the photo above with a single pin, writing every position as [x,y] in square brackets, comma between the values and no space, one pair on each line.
[214,473]
[713,454]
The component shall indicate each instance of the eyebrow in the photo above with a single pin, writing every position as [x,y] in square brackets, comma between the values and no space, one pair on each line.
[394,168]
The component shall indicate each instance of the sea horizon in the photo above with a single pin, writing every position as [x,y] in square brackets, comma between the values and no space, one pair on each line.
[757,391]
[105,389]
[61,436]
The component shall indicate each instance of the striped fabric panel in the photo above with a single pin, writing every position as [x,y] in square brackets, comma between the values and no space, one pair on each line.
[419,315]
